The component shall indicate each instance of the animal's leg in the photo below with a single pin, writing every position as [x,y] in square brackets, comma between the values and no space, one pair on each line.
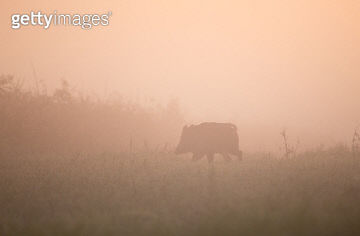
[197,156]
[226,156]
[210,157]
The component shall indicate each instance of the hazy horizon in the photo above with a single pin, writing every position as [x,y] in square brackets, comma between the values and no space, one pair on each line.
[262,65]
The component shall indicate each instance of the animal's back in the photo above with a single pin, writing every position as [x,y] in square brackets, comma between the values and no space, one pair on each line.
[215,125]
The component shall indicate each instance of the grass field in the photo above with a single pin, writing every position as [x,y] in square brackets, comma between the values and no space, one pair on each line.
[315,193]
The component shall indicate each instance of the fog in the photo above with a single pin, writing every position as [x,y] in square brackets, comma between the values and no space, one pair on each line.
[263,65]
[92,122]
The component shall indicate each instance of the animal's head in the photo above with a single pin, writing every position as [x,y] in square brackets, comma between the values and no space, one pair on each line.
[186,141]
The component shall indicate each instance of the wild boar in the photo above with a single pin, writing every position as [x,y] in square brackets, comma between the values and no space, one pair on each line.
[209,138]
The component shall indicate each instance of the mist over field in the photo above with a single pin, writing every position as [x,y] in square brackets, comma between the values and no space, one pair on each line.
[90,120]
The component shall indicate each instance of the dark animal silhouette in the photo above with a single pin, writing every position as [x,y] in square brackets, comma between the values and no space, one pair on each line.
[209,138]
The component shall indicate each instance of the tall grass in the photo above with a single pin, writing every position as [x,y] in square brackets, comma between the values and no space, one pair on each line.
[149,193]
[70,165]
[61,122]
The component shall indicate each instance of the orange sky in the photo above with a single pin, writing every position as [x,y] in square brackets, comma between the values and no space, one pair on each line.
[275,63]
